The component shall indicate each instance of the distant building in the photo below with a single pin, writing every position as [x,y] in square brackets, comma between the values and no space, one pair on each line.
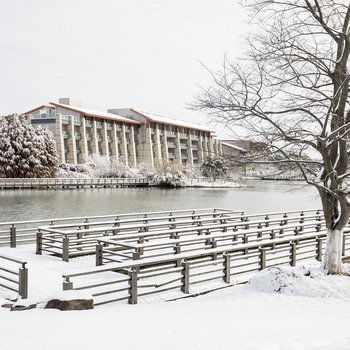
[129,135]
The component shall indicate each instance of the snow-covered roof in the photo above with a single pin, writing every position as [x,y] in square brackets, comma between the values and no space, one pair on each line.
[233,147]
[97,114]
[158,118]
[46,105]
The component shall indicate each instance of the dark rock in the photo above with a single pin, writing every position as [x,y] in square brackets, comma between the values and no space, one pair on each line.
[23,307]
[7,306]
[64,305]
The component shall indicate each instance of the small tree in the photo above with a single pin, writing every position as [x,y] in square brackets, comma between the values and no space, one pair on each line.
[214,168]
[291,91]
[26,151]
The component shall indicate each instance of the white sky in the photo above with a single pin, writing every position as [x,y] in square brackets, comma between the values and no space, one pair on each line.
[144,54]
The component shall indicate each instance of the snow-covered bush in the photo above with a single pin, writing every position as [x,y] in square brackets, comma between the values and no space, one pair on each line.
[98,166]
[169,175]
[26,151]
[308,280]
[214,168]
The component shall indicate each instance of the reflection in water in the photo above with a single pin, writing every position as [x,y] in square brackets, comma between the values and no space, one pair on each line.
[257,196]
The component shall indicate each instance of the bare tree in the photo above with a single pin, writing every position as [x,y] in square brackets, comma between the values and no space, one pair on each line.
[290,90]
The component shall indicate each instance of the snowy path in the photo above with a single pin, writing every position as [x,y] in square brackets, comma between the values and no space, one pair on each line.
[235,318]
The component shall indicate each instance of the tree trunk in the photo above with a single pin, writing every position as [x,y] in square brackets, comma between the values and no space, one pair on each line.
[332,260]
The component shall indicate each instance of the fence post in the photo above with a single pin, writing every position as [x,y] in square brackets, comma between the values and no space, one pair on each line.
[245,240]
[343,245]
[293,254]
[23,281]
[13,232]
[319,249]
[214,244]
[227,267]
[185,280]
[99,257]
[65,249]
[67,284]
[132,287]
[262,262]
[39,242]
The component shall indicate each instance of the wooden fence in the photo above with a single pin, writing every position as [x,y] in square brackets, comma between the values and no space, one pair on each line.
[14,275]
[56,183]
[75,239]
[130,280]
[13,233]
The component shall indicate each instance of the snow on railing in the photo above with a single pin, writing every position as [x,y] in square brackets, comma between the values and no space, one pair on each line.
[12,276]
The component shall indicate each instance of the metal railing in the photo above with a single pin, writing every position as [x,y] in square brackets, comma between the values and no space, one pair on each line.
[77,239]
[133,279]
[14,275]
[46,183]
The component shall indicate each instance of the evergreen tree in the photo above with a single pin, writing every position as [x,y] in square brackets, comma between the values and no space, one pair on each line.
[26,151]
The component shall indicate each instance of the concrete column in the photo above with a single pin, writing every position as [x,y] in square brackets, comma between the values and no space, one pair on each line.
[115,142]
[59,138]
[133,159]
[83,141]
[165,146]
[220,148]
[94,141]
[200,149]
[178,147]
[124,146]
[157,144]
[72,153]
[211,147]
[105,146]
[148,150]
[205,147]
[189,150]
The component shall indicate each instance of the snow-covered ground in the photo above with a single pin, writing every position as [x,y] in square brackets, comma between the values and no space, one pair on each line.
[280,309]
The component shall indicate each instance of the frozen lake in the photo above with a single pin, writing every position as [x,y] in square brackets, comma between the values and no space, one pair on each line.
[256,196]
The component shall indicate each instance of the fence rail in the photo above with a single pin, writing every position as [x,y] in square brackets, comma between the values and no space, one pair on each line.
[72,240]
[133,279]
[55,183]
[14,275]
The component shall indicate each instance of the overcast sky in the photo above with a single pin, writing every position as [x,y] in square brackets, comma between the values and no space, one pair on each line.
[144,54]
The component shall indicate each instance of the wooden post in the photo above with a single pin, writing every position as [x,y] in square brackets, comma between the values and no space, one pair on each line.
[262,258]
[227,267]
[13,240]
[23,281]
[132,287]
[67,284]
[185,280]
[99,255]
[214,244]
[245,240]
[39,242]
[343,245]
[65,249]
[319,249]
[293,254]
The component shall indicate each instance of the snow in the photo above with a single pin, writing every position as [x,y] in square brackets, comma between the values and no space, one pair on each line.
[94,113]
[71,295]
[173,121]
[312,312]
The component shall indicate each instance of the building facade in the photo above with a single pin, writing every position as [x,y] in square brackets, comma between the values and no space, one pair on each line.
[127,135]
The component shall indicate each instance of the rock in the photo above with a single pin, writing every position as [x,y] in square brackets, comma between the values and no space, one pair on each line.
[23,307]
[76,304]
[7,306]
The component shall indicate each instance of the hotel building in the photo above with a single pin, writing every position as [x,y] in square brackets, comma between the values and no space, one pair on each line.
[128,135]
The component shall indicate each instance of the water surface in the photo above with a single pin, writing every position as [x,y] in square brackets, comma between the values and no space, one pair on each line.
[256,196]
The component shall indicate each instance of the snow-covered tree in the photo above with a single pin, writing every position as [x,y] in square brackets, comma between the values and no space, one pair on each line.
[214,168]
[291,91]
[26,151]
